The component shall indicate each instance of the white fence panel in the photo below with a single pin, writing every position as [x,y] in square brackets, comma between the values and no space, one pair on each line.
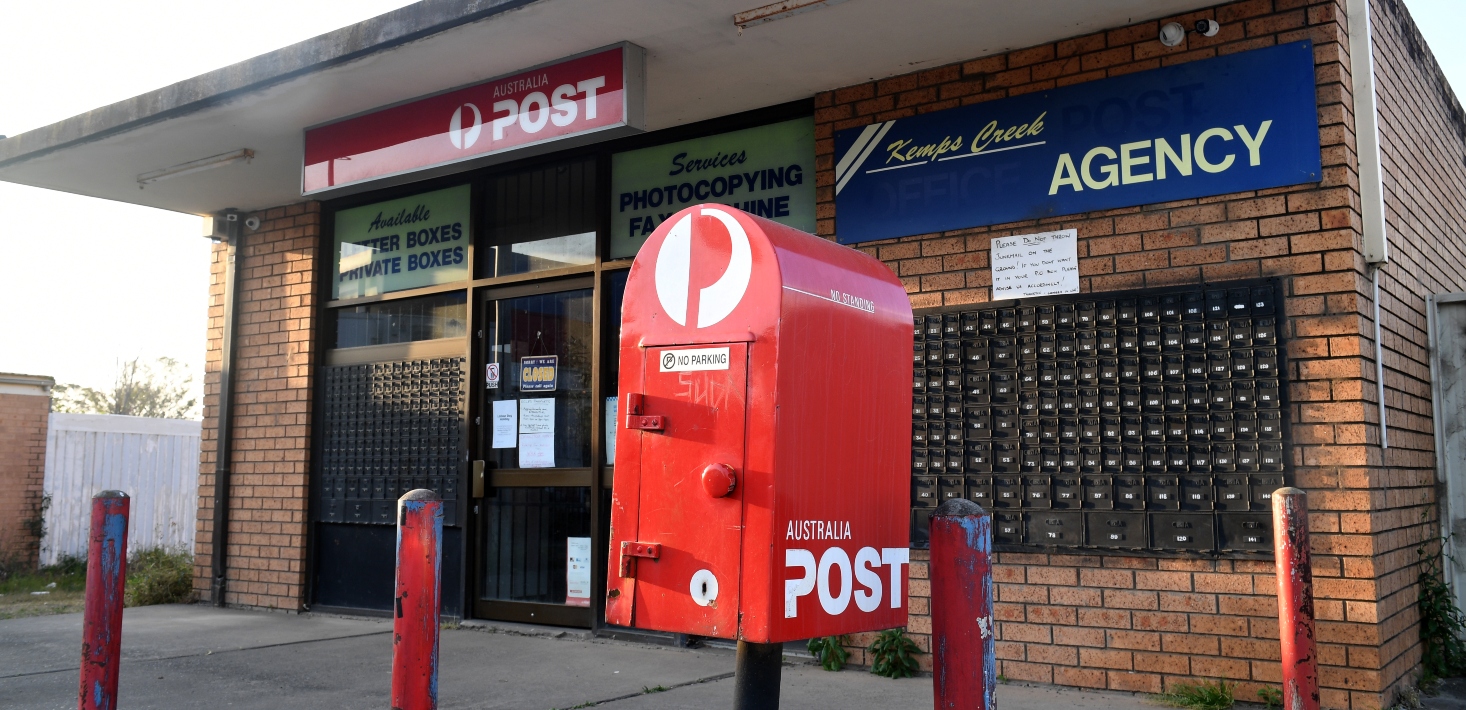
[155,461]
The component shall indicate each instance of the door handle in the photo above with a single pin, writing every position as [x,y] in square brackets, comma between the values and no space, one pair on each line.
[478,479]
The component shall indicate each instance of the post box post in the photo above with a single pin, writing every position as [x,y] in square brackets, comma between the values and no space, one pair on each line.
[101,644]
[1295,599]
[757,675]
[963,665]
[416,602]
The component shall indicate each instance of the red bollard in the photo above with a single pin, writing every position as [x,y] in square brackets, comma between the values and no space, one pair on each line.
[101,643]
[964,671]
[415,618]
[1295,599]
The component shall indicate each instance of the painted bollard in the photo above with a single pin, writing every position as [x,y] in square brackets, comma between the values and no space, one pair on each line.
[963,666]
[101,644]
[416,602]
[1295,599]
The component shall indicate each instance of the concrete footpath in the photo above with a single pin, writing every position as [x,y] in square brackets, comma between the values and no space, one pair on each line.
[200,657]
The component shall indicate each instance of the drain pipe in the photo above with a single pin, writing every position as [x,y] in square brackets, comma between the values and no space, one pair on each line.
[227,226]
[1371,183]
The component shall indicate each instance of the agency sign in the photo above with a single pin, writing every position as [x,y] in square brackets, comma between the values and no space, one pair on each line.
[574,97]
[1246,121]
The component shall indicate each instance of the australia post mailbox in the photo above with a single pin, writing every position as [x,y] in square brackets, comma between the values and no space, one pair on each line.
[762,447]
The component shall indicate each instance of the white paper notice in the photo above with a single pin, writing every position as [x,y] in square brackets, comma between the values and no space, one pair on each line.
[577,571]
[611,431]
[536,450]
[1045,264]
[537,416]
[506,423]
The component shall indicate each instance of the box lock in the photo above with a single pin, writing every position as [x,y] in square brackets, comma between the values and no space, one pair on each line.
[719,480]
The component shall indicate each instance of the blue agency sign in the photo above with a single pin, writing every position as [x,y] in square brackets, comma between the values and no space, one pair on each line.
[1246,121]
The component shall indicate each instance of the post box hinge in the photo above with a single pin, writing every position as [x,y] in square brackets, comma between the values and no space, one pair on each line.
[636,418]
[632,550]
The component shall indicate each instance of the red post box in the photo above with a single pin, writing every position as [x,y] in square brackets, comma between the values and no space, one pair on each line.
[762,453]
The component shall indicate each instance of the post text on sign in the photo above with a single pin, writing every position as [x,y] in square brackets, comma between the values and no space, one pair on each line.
[1028,265]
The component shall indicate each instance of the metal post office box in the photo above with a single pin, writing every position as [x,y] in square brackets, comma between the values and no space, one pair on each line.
[1066,345]
[1182,531]
[1088,400]
[1261,488]
[1247,532]
[1153,427]
[1049,459]
[1044,317]
[918,462]
[1087,372]
[1265,362]
[1155,458]
[951,352]
[1089,430]
[1044,346]
[933,353]
[1269,425]
[1132,458]
[1220,394]
[920,527]
[1028,403]
[1117,530]
[1048,374]
[936,407]
[353,487]
[970,327]
[1004,351]
[1098,492]
[1195,365]
[1085,315]
[1221,426]
[1196,398]
[1176,428]
[1170,308]
[1240,332]
[1007,321]
[1054,528]
[1106,313]
[1244,394]
[1112,459]
[1150,338]
[1005,423]
[919,331]
[924,491]
[1067,493]
[1193,306]
[1223,458]
[936,462]
[954,432]
[933,327]
[1246,457]
[1067,373]
[1270,456]
[1125,311]
[950,488]
[979,458]
[1201,458]
[979,424]
[1091,460]
[1107,342]
[977,384]
[1198,427]
[918,436]
[1232,492]
[1109,400]
[1264,331]
[918,382]
[1242,363]
[1007,491]
[384,512]
[1048,430]
[951,379]
[1129,340]
[1005,457]
[1068,430]
[1130,370]
[1129,492]
[1029,431]
[1152,398]
[1132,428]
[1028,376]
[1175,398]
[1148,310]
[1173,368]
[1262,300]
[1068,458]
[1027,319]
[1193,336]
[1244,425]
[1004,387]
[979,489]
[1131,399]
[1218,365]
[952,406]
[1196,493]
[951,326]
[358,511]
[1030,459]
[1110,429]
[975,354]
[1064,316]
[1007,528]
[1218,335]
[1268,394]
[1239,301]
[936,380]
[1109,371]
[1162,492]
[956,460]
[1086,343]
[1178,458]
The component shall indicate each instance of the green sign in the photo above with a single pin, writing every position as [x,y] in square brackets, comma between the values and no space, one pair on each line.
[767,171]
[400,244]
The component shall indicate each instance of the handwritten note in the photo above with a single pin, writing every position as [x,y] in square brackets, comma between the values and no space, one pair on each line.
[1045,264]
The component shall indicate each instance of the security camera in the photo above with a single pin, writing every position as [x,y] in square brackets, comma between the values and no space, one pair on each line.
[1172,34]
[1208,28]
[252,222]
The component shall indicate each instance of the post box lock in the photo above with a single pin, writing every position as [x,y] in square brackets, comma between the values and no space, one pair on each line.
[719,479]
[632,550]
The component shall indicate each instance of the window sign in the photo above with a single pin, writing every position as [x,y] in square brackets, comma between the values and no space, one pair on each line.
[1245,121]
[767,171]
[400,244]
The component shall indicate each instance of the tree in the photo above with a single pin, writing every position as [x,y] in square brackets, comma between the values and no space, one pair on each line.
[158,389]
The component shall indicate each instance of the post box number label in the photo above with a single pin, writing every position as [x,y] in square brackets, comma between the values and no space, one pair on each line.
[695,360]
[856,579]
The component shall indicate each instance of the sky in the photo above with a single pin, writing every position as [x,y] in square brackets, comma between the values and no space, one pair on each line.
[88,283]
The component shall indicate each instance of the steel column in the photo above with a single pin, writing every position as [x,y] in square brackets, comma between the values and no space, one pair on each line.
[756,679]
[416,606]
[1295,599]
[102,623]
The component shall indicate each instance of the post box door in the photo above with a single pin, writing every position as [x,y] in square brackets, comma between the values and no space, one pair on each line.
[693,585]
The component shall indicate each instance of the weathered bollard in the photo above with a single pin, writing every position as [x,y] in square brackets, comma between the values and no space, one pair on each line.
[101,644]
[1295,599]
[416,602]
[963,667]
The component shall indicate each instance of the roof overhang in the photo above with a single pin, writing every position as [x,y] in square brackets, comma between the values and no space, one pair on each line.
[700,65]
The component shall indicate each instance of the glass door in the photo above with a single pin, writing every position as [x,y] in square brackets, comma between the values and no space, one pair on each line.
[534,520]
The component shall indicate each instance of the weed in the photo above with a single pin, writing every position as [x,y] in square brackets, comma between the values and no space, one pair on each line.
[1198,696]
[1002,678]
[1271,697]
[891,654]
[654,689]
[1441,624]
[159,576]
[830,650]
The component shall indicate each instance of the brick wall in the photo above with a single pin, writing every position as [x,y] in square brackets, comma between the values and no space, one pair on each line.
[23,419]
[1129,623]
[274,357]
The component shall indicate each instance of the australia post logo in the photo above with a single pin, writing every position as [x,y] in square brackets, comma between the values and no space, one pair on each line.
[561,107]
[828,565]
[674,269]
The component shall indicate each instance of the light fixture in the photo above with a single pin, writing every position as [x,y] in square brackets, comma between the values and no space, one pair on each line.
[778,11]
[193,166]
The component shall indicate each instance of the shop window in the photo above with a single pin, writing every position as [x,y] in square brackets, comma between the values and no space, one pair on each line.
[540,219]
[402,321]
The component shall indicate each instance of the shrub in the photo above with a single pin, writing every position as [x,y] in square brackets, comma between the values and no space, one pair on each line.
[830,650]
[159,576]
[891,654]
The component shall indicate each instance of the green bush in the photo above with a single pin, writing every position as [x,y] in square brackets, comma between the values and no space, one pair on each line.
[830,650]
[891,654]
[159,576]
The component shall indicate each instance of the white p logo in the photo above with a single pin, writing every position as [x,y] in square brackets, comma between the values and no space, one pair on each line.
[674,272]
[461,137]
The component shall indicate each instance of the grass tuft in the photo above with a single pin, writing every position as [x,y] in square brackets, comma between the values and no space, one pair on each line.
[1198,696]
[159,576]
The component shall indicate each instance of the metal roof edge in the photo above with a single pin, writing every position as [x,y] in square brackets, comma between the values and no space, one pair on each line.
[347,44]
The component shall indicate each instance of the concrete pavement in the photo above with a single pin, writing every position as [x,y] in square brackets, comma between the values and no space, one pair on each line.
[199,657]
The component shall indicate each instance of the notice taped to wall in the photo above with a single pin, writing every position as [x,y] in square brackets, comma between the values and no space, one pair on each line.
[506,423]
[1028,265]
[577,571]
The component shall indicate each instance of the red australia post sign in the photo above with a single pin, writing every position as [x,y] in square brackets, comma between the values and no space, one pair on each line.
[572,97]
